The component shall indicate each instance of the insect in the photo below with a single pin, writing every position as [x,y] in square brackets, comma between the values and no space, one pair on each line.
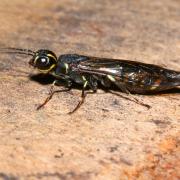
[89,72]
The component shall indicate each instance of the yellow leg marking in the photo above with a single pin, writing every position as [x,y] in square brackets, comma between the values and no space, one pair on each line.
[85,84]
[67,67]
[111,78]
[84,79]
[153,87]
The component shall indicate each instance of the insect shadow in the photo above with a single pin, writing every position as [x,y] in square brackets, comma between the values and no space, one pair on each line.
[47,79]
[43,79]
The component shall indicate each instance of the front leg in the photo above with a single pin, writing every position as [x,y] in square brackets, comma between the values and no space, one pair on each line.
[68,85]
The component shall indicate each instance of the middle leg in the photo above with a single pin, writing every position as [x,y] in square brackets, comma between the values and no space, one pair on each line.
[93,86]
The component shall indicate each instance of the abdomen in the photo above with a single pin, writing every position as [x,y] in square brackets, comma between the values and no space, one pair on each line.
[145,82]
[142,81]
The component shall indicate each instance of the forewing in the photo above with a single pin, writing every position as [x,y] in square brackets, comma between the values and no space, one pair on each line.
[114,67]
[125,71]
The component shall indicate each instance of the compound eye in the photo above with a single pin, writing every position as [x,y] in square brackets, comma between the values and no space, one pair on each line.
[42,62]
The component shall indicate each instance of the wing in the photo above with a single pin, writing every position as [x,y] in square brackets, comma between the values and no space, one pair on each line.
[123,69]
[104,66]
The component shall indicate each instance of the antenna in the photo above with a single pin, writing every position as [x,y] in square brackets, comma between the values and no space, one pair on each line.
[17,51]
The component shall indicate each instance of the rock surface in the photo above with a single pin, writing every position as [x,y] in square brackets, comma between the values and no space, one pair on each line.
[108,137]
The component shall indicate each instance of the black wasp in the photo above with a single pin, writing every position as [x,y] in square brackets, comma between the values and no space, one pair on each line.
[128,76]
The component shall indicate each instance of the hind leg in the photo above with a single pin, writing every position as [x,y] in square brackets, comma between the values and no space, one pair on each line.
[125,89]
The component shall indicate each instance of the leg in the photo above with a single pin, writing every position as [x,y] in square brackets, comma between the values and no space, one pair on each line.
[51,93]
[133,100]
[83,95]
[124,89]
[138,102]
